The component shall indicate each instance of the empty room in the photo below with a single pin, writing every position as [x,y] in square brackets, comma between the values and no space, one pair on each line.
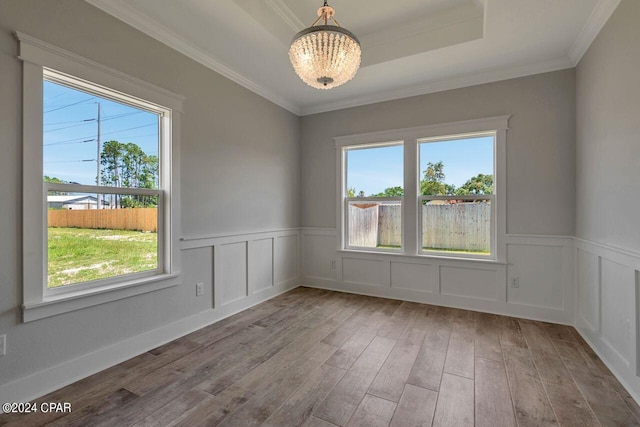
[312,213]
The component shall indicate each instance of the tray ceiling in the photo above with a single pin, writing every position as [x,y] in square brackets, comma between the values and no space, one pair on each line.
[410,47]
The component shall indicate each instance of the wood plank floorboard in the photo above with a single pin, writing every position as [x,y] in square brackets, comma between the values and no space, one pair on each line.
[493,406]
[416,407]
[320,358]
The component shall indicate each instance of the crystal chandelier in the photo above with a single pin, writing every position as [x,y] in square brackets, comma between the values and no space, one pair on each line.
[325,56]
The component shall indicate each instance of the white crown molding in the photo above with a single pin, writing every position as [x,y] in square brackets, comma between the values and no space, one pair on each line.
[152,28]
[466,80]
[130,15]
[599,17]
[287,15]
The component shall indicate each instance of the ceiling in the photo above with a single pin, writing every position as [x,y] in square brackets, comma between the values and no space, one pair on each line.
[410,47]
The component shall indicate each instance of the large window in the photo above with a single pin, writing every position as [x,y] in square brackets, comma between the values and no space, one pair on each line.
[436,191]
[373,194]
[455,215]
[102,183]
[100,198]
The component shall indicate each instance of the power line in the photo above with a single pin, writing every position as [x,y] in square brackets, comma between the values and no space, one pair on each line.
[115,116]
[119,116]
[58,96]
[64,123]
[73,161]
[86,122]
[69,105]
[69,142]
[137,127]
[93,140]
[84,138]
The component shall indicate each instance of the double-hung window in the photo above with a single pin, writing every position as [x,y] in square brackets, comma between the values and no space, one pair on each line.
[456,195]
[100,198]
[373,195]
[433,191]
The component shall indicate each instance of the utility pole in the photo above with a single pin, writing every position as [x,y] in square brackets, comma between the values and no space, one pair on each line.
[98,159]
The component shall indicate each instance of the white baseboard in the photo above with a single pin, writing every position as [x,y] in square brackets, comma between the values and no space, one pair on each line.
[633,391]
[608,308]
[41,383]
[513,310]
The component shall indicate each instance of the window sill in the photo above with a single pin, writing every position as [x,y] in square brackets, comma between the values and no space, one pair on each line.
[72,301]
[423,257]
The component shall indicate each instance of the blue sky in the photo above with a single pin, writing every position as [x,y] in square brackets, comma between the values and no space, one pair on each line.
[70,131]
[374,169]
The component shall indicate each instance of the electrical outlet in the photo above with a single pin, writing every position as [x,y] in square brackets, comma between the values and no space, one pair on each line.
[199,289]
[515,282]
[333,265]
[3,345]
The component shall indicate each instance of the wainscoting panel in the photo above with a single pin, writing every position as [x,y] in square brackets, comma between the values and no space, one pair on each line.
[233,268]
[246,264]
[319,259]
[469,282]
[618,305]
[366,272]
[588,289]
[538,270]
[286,258]
[608,307]
[543,265]
[413,276]
[260,265]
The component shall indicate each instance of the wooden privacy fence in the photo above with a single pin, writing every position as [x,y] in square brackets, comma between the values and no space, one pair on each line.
[390,225]
[461,226]
[363,226]
[138,219]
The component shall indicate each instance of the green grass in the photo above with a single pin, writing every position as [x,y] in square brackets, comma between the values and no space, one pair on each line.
[455,251]
[80,255]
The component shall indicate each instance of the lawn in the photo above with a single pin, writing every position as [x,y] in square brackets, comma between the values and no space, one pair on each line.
[455,251]
[80,255]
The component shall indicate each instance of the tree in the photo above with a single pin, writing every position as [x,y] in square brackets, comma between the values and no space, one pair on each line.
[151,171]
[479,184]
[433,182]
[54,180]
[127,165]
[351,192]
[111,161]
[390,192]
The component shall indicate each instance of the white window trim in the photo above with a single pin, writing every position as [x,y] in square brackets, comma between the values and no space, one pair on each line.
[37,302]
[411,137]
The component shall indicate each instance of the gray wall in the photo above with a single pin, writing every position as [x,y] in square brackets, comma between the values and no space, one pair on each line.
[608,133]
[540,146]
[230,165]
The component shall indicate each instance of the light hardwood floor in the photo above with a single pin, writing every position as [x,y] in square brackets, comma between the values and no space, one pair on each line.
[318,358]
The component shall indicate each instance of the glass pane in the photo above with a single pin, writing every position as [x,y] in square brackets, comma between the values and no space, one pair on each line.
[375,225]
[457,167]
[86,243]
[457,226]
[375,172]
[92,140]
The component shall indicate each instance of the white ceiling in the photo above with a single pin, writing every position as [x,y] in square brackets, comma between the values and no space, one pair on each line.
[410,47]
